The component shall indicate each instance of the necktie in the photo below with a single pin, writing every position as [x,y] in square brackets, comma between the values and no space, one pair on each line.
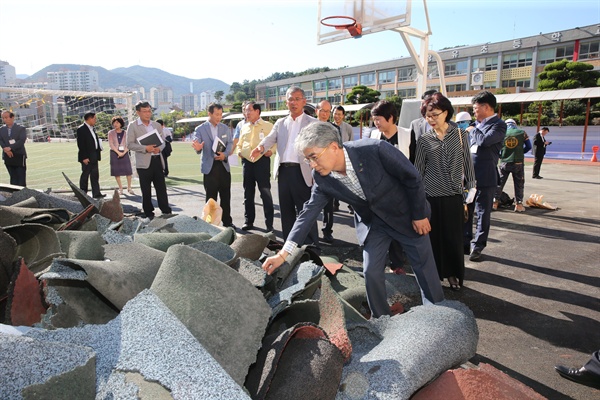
[9,132]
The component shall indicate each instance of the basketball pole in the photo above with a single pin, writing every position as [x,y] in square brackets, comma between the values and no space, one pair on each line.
[421,59]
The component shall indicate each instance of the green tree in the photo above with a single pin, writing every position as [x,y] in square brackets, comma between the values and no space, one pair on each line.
[361,95]
[219,95]
[240,97]
[103,124]
[566,74]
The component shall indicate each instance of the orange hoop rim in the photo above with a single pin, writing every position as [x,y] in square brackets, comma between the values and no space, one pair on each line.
[339,26]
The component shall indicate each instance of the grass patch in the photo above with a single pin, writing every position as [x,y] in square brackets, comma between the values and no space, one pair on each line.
[47,161]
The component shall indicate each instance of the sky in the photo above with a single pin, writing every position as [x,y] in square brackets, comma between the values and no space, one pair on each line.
[234,40]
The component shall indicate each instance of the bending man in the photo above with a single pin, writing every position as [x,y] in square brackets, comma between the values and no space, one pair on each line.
[389,202]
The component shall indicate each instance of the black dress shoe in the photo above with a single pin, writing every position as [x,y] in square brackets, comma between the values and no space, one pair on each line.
[328,238]
[475,255]
[579,375]
[100,196]
[232,226]
[270,229]
[247,227]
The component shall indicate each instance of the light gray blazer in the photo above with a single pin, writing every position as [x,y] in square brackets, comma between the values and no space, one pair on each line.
[279,134]
[346,131]
[142,158]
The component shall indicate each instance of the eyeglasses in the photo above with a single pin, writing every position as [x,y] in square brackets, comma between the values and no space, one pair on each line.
[314,159]
[296,99]
[434,116]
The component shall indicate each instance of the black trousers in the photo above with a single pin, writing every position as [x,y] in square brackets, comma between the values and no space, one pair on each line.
[218,183]
[153,175]
[537,164]
[293,193]
[17,174]
[90,171]
[257,174]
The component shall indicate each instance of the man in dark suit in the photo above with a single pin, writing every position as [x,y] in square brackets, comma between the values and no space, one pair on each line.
[539,151]
[89,154]
[389,203]
[485,139]
[12,142]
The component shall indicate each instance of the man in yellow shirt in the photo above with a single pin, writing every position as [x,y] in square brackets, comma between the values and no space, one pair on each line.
[255,172]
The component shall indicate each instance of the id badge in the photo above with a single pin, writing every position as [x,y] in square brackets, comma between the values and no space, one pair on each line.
[121,148]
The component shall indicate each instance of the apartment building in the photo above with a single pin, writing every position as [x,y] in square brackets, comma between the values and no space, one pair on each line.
[513,65]
[84,80]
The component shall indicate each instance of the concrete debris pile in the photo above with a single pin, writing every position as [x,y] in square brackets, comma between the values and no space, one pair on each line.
[97,304]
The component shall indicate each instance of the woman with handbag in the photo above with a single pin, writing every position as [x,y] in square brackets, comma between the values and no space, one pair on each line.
[443,159]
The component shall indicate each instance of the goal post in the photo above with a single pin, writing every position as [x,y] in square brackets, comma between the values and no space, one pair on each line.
[56,114]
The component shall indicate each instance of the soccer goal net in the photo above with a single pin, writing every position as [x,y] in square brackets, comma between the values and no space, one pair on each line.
[51,117]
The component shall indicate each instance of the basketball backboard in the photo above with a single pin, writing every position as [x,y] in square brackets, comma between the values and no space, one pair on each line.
[373,16]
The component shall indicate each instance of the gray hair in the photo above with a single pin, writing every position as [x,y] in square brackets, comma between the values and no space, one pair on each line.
[294,89]
[318,134]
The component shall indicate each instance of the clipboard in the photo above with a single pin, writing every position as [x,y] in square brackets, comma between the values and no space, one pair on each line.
[151,138]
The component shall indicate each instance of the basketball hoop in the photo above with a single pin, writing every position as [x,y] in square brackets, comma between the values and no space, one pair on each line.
[342,22]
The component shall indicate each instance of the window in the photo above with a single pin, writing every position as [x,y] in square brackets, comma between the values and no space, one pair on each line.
[489,85]
[272,106]
[407,93]
[456,68]
[351,81]
[335,83]
[485,64]
[517,60]
[432,71]
[387,77]
[459,87]
[308,93]
[367,79]
[589,50]
[282,90]
[548,56]
[406,74]
[516,83]
[321,85]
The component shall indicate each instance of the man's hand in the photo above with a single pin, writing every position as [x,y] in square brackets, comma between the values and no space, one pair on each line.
[152,148]
[8,151]
[422,226]
[197,146]
[272,263]
[220,156]
[256,152]
[86,161]
[268,153]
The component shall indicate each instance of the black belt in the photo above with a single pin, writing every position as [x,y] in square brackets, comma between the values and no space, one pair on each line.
[289,164]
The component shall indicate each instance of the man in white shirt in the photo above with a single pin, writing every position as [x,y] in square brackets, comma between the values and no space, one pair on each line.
[294,177]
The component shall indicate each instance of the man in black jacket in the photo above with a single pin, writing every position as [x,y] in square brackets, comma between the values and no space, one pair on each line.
[12,143]
[90,147]
[539,150]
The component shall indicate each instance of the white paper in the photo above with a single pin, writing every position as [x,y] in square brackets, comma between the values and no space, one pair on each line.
[474,149]
[216,143]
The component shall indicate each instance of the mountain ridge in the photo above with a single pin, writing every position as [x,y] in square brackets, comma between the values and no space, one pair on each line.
[137,75]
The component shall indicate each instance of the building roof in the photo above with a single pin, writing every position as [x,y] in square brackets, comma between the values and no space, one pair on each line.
[528,97]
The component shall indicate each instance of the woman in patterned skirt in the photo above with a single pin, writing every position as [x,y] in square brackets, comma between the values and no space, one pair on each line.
[443,158]
[120,164]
